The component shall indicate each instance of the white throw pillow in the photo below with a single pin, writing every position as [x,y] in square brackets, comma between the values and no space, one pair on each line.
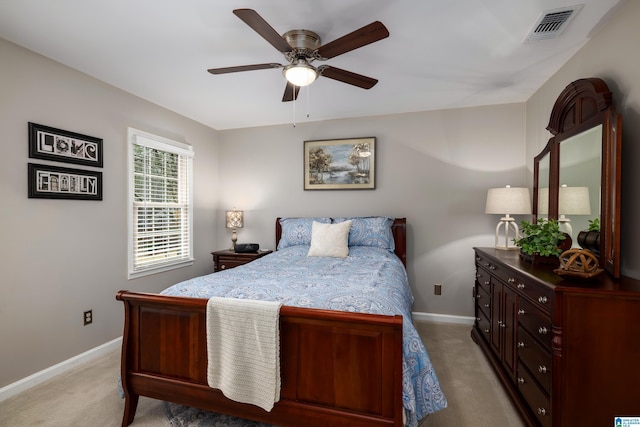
[330,239]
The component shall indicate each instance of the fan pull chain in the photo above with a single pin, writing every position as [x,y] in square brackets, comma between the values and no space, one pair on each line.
[308,92]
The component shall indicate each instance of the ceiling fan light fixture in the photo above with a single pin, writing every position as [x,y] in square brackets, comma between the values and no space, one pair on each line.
[300,73]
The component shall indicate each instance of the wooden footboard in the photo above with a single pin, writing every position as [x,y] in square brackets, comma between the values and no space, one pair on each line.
[337,368]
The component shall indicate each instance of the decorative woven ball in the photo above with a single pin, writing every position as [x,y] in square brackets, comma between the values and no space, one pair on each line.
[579,261]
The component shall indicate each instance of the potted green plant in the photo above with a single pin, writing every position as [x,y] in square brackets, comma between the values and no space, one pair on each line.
[542,241]
[590,239]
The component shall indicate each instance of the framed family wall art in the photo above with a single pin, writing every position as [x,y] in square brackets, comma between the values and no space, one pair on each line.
[59,145]
[54,182]
[340,164]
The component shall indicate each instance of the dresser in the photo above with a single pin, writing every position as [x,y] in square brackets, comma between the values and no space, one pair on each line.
[566,351]
[226,259]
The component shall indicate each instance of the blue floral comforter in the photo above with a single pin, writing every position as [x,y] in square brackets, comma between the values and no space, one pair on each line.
[369,280]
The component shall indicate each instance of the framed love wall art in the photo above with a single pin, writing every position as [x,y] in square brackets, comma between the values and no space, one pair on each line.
[340,164]
[49,143]
[53,182]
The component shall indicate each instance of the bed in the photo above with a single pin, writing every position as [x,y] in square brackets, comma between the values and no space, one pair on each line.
[349,354]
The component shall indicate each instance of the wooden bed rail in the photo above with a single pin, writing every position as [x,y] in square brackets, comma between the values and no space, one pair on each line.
[337,368]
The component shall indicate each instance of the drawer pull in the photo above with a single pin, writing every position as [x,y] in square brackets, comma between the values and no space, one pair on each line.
[487,305]
[520,286]
[521,344]
[542,300]
[520,380]
[486,331]
[542,369]
[223,266]
[487,283]
[542,411]
[521,312]
[492,267]
[511,280]
[478,296]
[478,319]
[542,330]
[486,264]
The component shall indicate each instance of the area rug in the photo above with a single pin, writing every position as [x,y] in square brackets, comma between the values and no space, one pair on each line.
[186,416]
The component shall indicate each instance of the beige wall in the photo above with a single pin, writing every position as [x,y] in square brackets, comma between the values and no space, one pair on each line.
[61,257]
[612,55]
[433,168]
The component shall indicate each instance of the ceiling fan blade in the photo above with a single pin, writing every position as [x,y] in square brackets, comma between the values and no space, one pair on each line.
[358,38]
[290,92]
[347,77]
[262,27]
[225,70]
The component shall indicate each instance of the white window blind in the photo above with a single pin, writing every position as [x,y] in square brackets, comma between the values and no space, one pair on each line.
[160,203]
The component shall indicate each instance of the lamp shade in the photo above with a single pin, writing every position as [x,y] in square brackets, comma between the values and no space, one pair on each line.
[508,200]
[235,219]
[574,201]
[571,201]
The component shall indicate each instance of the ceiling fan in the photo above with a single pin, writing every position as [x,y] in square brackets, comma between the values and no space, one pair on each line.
[302,47]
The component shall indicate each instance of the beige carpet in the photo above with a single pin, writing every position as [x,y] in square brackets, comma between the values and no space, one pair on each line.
[87,396]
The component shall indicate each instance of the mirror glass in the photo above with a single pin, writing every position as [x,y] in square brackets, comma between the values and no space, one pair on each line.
[580,180]
[542,166]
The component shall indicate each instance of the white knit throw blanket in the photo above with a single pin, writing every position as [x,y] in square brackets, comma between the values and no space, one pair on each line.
[243,350]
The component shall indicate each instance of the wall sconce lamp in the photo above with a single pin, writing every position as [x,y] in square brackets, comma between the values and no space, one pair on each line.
[235,220]
[506,201]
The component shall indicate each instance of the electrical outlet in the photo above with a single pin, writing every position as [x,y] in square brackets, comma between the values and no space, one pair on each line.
[88,317]
[437,289]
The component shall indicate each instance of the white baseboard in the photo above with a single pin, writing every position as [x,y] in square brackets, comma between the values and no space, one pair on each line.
[62,367]
[443,318]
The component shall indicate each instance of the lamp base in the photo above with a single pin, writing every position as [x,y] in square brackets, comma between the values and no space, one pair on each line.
[234,239]
[508,223]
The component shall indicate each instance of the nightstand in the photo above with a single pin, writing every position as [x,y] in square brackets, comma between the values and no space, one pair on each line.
[226,259]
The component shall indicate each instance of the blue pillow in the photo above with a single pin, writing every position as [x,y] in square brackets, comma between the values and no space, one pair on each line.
[372,231]
[297,231]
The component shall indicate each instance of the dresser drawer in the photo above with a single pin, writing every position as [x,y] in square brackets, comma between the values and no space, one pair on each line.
[541,296]
[483,277]
[535,398]
[484,325]
[537,323]
[535,358]
[483,300]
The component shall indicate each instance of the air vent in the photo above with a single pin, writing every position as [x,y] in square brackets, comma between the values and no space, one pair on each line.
[552,22]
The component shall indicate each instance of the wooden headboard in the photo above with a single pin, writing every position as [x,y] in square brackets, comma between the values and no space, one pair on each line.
[398,229]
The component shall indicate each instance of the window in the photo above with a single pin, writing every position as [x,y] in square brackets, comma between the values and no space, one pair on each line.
[160,204]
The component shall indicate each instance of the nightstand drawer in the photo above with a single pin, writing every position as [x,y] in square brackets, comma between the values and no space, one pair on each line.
[535,358]
[227,263]
[226,259]
[537,323]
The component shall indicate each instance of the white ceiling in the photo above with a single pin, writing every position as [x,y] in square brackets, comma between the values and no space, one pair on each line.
[440,53]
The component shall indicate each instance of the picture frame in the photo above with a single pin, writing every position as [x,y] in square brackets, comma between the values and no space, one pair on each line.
[54,182]
[340,164]
[48,143]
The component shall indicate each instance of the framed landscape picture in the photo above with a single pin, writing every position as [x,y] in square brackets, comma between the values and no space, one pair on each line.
[340,164]
[53,182]
[49,143]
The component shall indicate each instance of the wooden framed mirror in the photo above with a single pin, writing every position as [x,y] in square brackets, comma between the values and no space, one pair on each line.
[584,163]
